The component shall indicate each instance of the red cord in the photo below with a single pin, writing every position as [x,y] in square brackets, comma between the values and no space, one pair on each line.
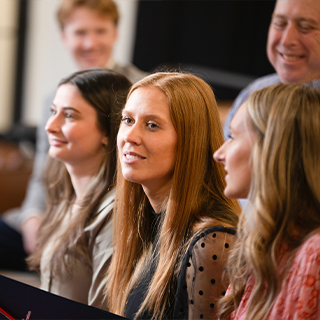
[7,315]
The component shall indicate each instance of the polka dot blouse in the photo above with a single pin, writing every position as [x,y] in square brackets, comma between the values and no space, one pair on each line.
[206,275]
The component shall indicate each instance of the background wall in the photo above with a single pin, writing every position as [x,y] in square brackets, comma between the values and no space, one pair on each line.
[47,61]
[8,44]
[222,40]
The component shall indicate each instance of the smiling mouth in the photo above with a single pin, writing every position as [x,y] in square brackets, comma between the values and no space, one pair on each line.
[55,142]
[133,157]
[291,58]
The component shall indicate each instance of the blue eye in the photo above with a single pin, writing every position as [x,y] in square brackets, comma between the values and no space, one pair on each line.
[53,112]
[152,125]
[127,120]
[68,115]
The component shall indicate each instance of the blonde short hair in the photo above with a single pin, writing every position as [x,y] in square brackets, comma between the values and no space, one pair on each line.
[103,7]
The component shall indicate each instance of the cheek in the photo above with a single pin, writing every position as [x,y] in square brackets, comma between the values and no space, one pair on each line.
[106,41]
[313,46]
[169,158]
[120,140]
[273,39]
[243,169]
[167,149]
[69,133]
[238,161]
[74,44]
[77,46]
[77,134]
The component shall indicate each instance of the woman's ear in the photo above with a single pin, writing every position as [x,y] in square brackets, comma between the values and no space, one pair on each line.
[105,141]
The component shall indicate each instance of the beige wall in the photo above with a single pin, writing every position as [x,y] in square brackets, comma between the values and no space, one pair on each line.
[8,43]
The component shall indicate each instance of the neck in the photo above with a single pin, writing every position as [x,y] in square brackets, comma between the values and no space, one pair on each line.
[81,178]
[158,198]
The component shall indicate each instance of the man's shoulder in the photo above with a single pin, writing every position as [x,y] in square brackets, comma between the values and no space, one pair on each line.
[263,82]
[129,70]
[243,96]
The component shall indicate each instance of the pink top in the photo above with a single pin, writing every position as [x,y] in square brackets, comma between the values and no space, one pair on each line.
[299,297]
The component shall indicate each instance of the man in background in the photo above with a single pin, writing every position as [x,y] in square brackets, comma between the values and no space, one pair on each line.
[293,48]
[89,30]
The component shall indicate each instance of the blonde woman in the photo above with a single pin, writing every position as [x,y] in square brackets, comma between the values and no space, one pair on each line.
[170,197]
[272,157]
[75,239]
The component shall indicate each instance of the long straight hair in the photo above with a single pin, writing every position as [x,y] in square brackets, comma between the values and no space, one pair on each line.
[106,92]
[284,192]
[196,198]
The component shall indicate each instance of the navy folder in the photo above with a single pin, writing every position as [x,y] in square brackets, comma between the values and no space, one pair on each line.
[21,301]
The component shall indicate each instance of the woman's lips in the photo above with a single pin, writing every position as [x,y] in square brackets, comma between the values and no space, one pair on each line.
[56,142]
[132,156]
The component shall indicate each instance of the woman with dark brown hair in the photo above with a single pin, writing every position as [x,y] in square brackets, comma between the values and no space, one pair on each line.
[75,239]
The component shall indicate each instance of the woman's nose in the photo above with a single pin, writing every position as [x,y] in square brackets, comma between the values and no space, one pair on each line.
[133,135]
[53,124]
[219,155]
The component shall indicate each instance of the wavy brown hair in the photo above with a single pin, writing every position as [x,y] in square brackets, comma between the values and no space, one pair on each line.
[106,92]
[196,198]
[284,192]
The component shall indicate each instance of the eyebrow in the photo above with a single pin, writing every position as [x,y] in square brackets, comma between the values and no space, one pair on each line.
[67,108]
[149,116]
[281,16]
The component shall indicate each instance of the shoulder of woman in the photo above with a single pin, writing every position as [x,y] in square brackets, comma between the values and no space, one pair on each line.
[213,234]
[213,244]
[102,219]
[309,250]
[203,277]
[108,200]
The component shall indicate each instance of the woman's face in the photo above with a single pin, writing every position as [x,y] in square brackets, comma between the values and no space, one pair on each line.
[72,129]
[235,155]
[147,140]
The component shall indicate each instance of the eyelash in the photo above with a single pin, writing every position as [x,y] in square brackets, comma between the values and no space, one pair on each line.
[282,25]
[305,29]
[129,121]
[66,114]
[152,124]
[230,137]
[124,119]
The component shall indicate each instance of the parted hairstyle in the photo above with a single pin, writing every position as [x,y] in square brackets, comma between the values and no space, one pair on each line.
[196,197]
[103,7]
[106,92]
[284,192]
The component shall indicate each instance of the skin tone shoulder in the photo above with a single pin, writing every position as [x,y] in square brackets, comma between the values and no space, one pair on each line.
[293,46]
[235,155]
[147,143]
[90,37]
[74,136]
